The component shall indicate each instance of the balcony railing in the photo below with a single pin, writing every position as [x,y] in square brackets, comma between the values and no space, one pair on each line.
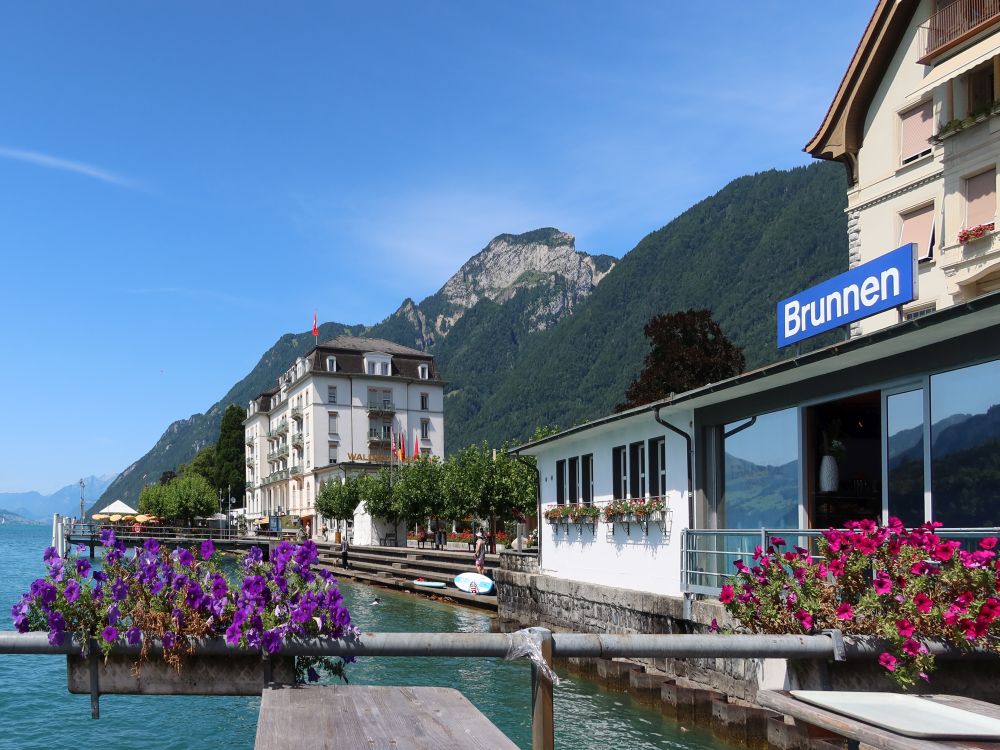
[296,412]
[955,23]
[278,454]
[250,460]
[275,476]
[707,555]
[295,471]
[384,406]
[377,436]
[297,439]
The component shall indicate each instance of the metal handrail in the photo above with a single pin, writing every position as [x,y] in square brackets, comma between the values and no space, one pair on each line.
[827,646]
[957,20]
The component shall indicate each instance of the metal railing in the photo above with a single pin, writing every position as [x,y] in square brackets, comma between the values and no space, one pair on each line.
[377,436]
[545,645]
[125,530]
[707,555]
[383,405]
[960,19]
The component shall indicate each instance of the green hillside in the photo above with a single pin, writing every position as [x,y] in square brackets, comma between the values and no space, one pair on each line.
[760,239]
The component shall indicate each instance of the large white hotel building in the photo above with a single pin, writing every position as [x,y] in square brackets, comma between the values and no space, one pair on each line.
[334,414]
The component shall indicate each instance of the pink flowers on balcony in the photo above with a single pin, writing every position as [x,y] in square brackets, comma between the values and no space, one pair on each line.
[903,586]
[974,233]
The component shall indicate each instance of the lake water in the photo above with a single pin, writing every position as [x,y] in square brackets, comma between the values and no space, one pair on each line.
[37,712]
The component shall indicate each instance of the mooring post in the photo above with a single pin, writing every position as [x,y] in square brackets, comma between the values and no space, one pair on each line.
[542,720]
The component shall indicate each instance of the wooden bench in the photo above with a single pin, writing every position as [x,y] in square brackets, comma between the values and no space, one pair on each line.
[389,540]
[421,543]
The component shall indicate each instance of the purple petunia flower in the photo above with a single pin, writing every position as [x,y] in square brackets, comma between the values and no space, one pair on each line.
[151,546]
[100,576]
[82,568]
[219,586]
[110,634]
[72,591]
[107,537]
[169,640]
[119,590]
[113,615]
[56,621]
[133,635]
[207,549]
[272,641]
[50,554]
[233,634]
[184,557]
[56,637]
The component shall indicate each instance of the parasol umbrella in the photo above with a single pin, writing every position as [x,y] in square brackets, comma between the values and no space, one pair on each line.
[115,518]
[100,516]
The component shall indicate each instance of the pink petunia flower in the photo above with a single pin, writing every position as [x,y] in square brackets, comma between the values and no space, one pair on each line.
[888,661]
[905,628]
[805,619]
[727,594]
[923,603]
[882,583]
[845,612]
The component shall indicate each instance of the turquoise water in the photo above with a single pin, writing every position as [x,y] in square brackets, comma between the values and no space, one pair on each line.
[37,712]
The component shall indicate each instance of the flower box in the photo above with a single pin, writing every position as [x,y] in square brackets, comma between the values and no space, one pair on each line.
[223,674]
[974,233]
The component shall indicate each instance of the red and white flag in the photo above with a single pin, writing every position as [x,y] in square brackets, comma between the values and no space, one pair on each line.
[416,449]
[402,447]
[315,327]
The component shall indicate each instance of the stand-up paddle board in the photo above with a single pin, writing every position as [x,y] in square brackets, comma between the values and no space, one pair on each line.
[474,583]
[429,584]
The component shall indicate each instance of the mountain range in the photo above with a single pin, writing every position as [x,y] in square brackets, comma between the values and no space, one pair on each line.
[65,501]
[531,331]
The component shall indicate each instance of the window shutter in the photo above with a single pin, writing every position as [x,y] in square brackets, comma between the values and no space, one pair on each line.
[981,196]
[918,227]
[917,129]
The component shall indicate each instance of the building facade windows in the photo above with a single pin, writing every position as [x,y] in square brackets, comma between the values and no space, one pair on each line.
[425,429]
[918,228]
[424,401]
[981,198]
[332,422]
[332,454]
[561,482]
[423,372]
[331,394]
[331,364]
[587,478]
[619,475]
[657,467]
[916,129]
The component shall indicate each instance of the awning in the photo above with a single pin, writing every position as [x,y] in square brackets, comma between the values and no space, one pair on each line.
[958,64]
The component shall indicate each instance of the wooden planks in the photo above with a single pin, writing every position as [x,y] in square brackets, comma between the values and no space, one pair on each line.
[373,717]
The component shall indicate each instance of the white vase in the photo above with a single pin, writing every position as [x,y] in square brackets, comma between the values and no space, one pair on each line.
[829,475]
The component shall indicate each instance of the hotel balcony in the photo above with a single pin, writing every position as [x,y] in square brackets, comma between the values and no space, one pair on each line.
[378,437]
[275,476]
[295,471]
[280,453]
[249,484]
[381,406]
[954,24]
[297,438]
[250,460]
[249,441]
[296,412]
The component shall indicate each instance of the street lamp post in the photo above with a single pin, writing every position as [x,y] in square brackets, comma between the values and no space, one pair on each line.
[81,500]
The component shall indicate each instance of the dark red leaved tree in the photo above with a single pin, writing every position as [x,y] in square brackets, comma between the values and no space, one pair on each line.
[688,350]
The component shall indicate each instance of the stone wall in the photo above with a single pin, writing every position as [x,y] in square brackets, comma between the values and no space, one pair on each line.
[525,599]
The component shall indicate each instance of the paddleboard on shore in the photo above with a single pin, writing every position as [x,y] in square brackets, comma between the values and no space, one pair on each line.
[429,584]
[474,583]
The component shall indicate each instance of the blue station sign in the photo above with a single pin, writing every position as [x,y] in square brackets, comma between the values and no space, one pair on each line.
[880,284]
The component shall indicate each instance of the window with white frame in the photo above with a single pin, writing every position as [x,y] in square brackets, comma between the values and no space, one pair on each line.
[619,472]
[332,455]
[918,228]
[916,129]
[384,368]
[424,401]
[587,478]
[637,469]
[372,368]
[425,429]
[560,482]
[573,468]
[331,364]
[331,394]
[332,420]
[981,198]
[424,372]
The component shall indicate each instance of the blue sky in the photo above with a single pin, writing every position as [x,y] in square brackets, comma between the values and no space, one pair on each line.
[182,183]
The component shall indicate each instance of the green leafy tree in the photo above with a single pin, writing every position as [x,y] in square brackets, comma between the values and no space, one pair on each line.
[477,483]
[191,495]
[230,454]
[338,500]
[417,492]
[543,431]
[153,499]
[688,350]
[375,491]
[203,464]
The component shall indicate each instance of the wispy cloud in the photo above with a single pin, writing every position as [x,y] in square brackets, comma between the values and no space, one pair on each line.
[66,165]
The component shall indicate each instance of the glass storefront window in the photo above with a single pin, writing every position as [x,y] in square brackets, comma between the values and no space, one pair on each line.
[965,446]
[905,446]
[762,473]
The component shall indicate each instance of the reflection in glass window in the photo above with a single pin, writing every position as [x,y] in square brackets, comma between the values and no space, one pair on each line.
[905,445]
[762,474]
[965,446]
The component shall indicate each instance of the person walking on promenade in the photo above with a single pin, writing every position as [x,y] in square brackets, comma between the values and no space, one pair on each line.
[343,551]
[480,552]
